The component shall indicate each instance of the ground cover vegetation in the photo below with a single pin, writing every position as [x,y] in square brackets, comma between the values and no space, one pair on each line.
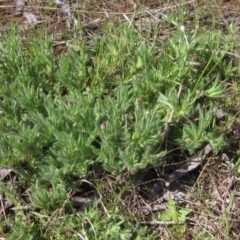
[98,118]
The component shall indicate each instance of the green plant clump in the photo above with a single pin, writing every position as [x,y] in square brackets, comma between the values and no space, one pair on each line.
[117,102]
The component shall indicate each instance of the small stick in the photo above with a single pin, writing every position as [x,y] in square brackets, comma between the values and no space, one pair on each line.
[160,223]
[3,209]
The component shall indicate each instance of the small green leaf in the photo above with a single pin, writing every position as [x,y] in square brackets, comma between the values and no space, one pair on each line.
[184,211]
[172,205]
[165,216]
[181,219]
